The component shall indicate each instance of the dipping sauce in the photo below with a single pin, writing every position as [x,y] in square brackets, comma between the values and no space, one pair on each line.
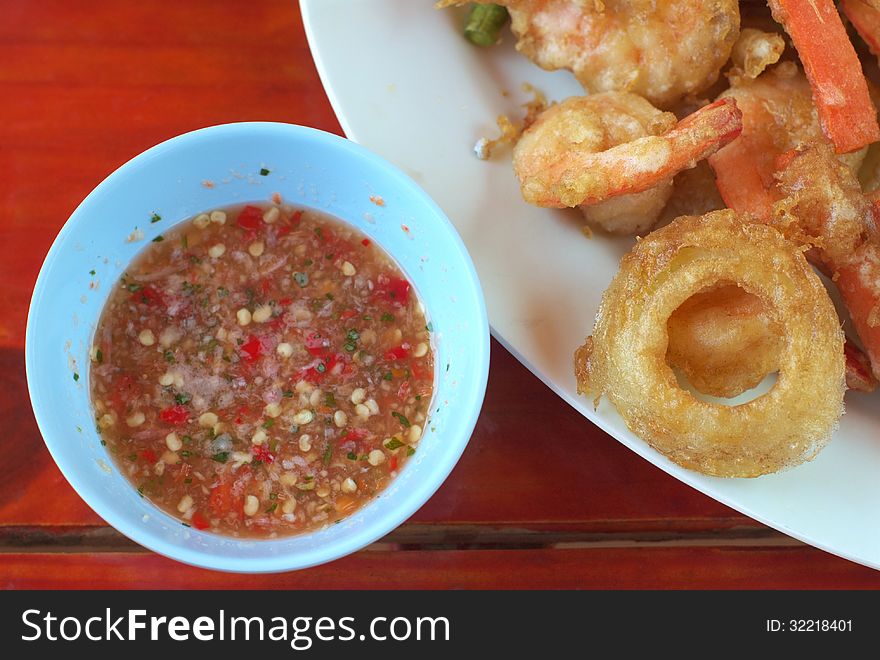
[262,371]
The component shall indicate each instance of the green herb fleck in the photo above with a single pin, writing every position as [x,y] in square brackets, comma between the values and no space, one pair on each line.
[134,287]
[169,356]
[184,242]
[264,171]
[221,457]
[185,453]
[155,217]
[91,272]
[353,335]
[387,317]
[288,394]
[329,296]
[403,420]
[75,376]
[182,398]
[429,327]
[132,457]
[351,456]
[159,239]
[272,507]
[321,368]
[222,292]
[350,346]
[141,491]
[330,399]
[388,376]
[410,451]
[187,440]
[188,480]
[268,424]
[393,444]
[308,262]
[328,453]
[301,278]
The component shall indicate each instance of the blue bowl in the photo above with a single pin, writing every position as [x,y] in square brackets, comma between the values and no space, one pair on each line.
[309,168]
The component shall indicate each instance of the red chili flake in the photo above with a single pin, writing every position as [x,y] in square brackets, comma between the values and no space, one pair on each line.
[199,521]
[393,289]
[285,301]
[242,412]
[365,242]
[147,295]
[398,352]
[149,455]
[356,434]
[175,415]
[262,454]
[221,499]
[264,286]
[283,231]
[250,218]
[251,349]
[392,464]
[348,314]
[318,370]
[317,345]
[277,322]
[296,217]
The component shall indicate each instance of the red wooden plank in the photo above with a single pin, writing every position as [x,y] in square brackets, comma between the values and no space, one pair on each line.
[601,568]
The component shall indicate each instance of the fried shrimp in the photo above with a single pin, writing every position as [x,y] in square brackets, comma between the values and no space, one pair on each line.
[824,204]
[614,155]
[660,49]
[724,341]
[778,114]
[625,358]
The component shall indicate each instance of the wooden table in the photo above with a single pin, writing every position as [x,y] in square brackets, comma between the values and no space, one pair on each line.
[87,85]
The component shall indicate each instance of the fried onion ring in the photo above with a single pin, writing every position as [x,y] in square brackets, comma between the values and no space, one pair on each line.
[625,359]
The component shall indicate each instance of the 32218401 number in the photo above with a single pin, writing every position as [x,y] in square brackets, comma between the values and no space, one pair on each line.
[809,625]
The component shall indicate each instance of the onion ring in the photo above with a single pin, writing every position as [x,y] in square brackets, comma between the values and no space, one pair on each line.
[625,359]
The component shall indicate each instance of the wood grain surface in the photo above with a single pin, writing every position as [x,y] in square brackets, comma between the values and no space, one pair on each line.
[88,85]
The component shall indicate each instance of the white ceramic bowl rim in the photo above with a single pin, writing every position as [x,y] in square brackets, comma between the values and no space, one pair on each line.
[42,362]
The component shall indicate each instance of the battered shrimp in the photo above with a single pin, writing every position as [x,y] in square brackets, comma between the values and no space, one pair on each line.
[778,115]
[660,49]
[614,155]
[823,201]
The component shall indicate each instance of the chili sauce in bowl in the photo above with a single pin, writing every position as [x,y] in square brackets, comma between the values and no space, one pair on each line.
[262,370]
[170,298]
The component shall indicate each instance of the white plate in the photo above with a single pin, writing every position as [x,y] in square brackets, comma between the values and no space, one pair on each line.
[404,83]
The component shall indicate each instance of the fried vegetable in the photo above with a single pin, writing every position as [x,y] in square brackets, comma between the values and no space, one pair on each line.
[625,358]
